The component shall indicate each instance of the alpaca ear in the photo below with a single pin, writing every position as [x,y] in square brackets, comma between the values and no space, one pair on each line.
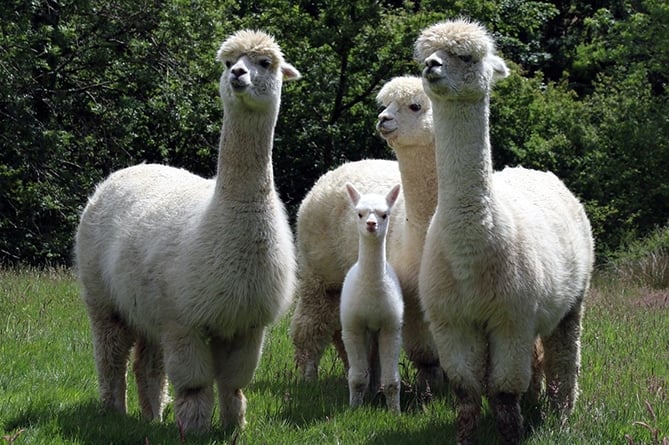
[499,68]
[392,195]
[353,194]
[289,72]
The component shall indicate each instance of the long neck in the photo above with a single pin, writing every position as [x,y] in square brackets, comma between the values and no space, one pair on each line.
[372,256]
[464,162]
[245,156]
[419,184]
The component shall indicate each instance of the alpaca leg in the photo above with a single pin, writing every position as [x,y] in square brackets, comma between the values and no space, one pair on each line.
[189,367]
[389,354]
[374,380]
[509,420]
[235,362]
[562,351]
[112,341]
[150,377]
[533,395]
[463,354]
[356,342]
[420,348]
[341,349]
[315,321]
[510,370]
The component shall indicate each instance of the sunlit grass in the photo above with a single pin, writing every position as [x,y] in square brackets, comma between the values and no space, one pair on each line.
[48,386]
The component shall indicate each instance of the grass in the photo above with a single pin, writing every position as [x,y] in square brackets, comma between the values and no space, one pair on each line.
[48,387]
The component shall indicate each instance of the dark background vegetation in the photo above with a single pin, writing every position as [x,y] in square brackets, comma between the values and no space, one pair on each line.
[90,86]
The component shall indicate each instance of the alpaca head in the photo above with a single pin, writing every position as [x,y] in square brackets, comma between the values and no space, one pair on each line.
[254,70]
[459,60]
[372,210]
[406,117]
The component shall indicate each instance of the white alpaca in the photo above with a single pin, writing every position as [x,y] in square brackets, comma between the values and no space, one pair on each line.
[371,304]
[327,237]
[192,270]
[508,256]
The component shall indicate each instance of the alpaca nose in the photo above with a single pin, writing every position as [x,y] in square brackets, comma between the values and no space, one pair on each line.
[238,71]
[433,62]
[371,226]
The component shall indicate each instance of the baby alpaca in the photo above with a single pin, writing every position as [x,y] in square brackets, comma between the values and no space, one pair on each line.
[371,303]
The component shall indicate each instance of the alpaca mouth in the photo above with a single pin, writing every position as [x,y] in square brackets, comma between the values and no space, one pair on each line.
[385,132]
[238,85]
[431,75]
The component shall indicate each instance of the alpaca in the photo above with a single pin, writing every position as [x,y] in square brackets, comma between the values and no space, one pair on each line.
[371,303]
[191,270]
[508,255]
[327,237]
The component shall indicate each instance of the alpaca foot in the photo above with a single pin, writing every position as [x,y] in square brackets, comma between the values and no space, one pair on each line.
[233,409]
[430,379]
[468,412]
[392,393]
[310,371]
[307,363]
[356,394]
[114,401]
[193,408]
[508,417]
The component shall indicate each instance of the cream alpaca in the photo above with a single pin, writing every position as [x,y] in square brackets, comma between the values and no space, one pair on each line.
[508,256]
[191,270]
[327,238]
[371,304]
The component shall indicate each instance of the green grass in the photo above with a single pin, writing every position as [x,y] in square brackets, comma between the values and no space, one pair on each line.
[48,387]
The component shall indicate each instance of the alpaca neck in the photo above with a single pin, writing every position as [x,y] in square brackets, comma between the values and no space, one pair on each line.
[245,156]
[372,256]
[419,184]
[464,161]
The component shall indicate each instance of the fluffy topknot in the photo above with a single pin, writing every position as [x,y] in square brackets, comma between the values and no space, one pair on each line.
[404,88]
[460,37]
[249,42]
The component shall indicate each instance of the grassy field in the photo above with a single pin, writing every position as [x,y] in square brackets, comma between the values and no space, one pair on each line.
[48,392]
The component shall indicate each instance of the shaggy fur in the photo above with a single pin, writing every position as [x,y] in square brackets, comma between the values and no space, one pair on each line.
[508,256]
[327,240]
[371,304]
[192,270]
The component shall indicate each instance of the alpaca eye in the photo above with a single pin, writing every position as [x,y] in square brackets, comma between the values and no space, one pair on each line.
[384,215]
[360,215]
[228,64]
[265,63]
[465,58]
[415,107]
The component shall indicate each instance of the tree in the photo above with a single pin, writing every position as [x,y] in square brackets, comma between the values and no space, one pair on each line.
[87,87]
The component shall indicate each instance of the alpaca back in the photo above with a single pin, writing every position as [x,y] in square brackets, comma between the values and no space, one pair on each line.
[128,230]
[554,230]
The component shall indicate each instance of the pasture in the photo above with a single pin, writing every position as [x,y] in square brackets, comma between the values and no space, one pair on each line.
[48,384]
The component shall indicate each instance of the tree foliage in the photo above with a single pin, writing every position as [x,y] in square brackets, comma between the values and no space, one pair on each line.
[87,87]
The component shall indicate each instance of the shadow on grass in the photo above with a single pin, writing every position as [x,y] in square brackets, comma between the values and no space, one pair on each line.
[433,433]
[88,423]
[444,432]
[304,403]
